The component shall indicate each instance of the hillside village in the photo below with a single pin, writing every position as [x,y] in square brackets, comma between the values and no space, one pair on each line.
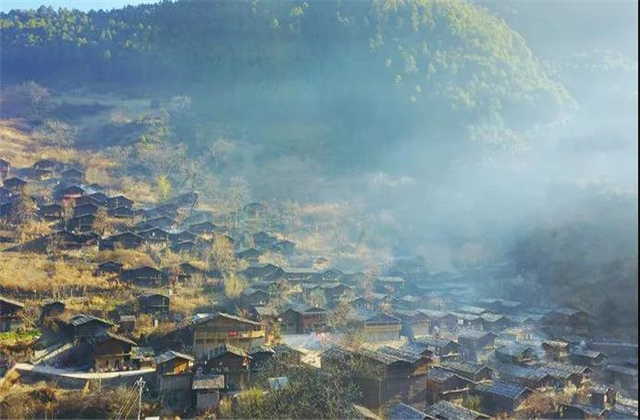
[214,311]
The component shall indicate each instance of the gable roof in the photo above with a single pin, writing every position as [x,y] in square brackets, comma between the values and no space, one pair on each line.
[209,317]
[448,411]
[402,411]
[204,383]
[171,355]
[503,389]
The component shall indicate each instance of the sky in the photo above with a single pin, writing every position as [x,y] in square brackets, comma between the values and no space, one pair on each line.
[6,5]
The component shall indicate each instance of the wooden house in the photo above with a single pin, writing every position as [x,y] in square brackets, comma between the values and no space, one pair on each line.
[445,410]
[143,276]
[5,168]
[14,184]
[254,211]
[73,174]
[214,330]
[111,351]
[155,236]
[99,198]
[495,322]
[70,194]
[382,327]
[83,325]
[473,372]
[400,411]
[154,303]
[468,320]
[626,376]
[443,348]
[414,323]
[335,292]
[39,174]
[51,212]
[515,354]
[184,247]
[81,223]
[286,248]
[502,397]
[203,228]
[10,318]
[45,164]
[88,209]
[602,396]
[566,374]
[476,340]
[262,240]
[177,236]
[125,240]
[299,274]
[51,309]
[233,362]
[108,268]
[121,213]
[303,321]
[251,256]
[173,371]
[143,357]
[127,324]
[441,320]
[119,201]
[589,358]
[530,377]
[556,350]
[87,200]
[255,297]
[518,334]
[444,385]
[568,321]
[206,389]
[267,272]
[163,222]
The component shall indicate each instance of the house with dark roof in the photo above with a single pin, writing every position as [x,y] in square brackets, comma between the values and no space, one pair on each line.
[400,411]
[585,357]
[51,212]
[81,223]
[530,377]
[154,303]
[83,325]
[174,372]
[119,201]
[125,240]
[143,276]
[85,210]
[203,228]
[207,390]
[285,247]
[121,213]
[444,410]
[14,184]
[5,168]
[568,374]
[212,331]
[303,320]
[516,354]
[10,318]
[474,372]
[251,255]
[582,411]
[110,351]
[109,267]
[445,385]
[414,323]
[502,397]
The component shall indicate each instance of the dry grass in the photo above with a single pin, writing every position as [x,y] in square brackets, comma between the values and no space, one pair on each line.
[36,274]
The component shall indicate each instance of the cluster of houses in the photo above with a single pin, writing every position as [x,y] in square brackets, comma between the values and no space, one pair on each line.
[428,344]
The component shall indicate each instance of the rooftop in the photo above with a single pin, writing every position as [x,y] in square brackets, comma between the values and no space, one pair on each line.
[448,411]
[402,411]
[503,389]
[203,383]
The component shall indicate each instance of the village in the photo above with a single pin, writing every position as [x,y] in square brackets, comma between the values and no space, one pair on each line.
[416,345]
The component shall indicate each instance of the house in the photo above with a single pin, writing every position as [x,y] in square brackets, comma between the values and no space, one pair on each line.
[262,240]
[474,342]
[299,274]
[626,376]
[568,321]
[530,377]
[127,324]
[125,240]
[414,323]
[602,396]
[254,211]
[444,410]
[441,347]
[444,385]
[14,184]
[207,391]
[81,223]
[10,318]
[383,375]
[5,168]
[518,334]
[212,331]
[233,362]
[39,174]
[473,372]
[260,355]
[177,236]
[51,212]
[68,195]
[589,358]
[582,411]
[183,247]
[255,297]
[142,357]
[154,303]
[382,327]
[515,354]
[286,248]
[173,372]
[87,325]
[73,175]
[441,320]
[336,291]
[468,321]
[143,276]
[162,222]
[86,200]
[303,321]
[155,235]
[99,198]
[119,201]
[502,397]
[121,213]
[556,350]
[267,272]
[495,322]
[389,284]
[109,267]
[45,164]
[85,210]
[567,374]
[251,255]
[203,228]
[400,411]
[111,351]
[51,309]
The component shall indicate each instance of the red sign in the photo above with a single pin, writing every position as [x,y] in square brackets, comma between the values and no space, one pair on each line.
[233,333]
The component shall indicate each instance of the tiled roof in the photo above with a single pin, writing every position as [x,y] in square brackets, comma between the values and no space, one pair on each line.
[503,389]
[208,382]
[448,411]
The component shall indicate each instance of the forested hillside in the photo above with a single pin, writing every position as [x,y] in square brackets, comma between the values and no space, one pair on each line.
[376,70]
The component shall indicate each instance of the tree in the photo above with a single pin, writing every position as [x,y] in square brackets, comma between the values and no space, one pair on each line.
[55,133]
[29,99]
[234,285]
[164,187]
[101,223]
